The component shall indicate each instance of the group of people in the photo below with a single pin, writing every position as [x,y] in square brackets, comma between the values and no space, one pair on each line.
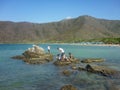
[61,56]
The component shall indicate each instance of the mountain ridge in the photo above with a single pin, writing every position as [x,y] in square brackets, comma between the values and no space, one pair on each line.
[69,30]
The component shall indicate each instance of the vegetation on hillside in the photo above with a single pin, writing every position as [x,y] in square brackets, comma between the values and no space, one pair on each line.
[83,28]
[111,40]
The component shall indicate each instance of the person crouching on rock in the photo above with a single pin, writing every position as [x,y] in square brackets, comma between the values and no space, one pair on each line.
[58,57]
[61,50]
[70,55]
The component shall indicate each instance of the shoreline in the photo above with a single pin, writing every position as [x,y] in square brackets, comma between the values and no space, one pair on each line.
[109,45]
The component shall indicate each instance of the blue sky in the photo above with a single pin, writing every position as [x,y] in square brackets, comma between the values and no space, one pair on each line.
[42,11]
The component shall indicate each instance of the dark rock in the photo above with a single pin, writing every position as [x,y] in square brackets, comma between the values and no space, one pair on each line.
[68,87]
[90,60]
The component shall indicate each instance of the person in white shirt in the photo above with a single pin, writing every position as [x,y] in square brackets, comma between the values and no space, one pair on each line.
[61,50]
[48,49]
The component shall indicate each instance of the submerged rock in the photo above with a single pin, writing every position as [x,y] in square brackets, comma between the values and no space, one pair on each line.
[101,70]
[68,87]
[90,60]
[67,72]
[35,55]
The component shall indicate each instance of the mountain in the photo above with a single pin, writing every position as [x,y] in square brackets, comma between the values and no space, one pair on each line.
[67,30]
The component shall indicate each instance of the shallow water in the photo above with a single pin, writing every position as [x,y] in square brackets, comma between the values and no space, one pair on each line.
[17,75]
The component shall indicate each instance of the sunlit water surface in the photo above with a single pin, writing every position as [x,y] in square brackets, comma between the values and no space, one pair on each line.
[17,75]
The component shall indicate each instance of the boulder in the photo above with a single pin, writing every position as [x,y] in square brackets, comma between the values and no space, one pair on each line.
[68,87]
[36,49]
[90,60]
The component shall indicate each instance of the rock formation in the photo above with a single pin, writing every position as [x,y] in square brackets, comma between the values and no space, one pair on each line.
[35,55]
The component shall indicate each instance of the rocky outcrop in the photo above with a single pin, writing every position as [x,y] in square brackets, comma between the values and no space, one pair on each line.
[39,60]
[66,62]
[90,60]
[35,55]
[68,87]
[101,70]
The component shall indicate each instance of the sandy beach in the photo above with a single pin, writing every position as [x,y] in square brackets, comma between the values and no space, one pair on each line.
[109,45]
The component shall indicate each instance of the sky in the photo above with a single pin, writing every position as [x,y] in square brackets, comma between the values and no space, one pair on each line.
[43,11]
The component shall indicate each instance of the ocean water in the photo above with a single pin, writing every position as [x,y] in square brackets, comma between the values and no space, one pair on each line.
[17,75]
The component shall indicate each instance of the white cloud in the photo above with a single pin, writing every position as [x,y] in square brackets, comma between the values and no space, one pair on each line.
[69,17]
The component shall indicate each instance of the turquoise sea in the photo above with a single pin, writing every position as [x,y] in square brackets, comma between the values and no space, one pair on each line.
[17,75]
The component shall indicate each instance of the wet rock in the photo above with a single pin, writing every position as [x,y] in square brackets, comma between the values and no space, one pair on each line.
[68,87]
[90,60]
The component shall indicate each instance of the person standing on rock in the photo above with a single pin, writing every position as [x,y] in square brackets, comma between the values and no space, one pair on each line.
[48,49]
[61,50]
